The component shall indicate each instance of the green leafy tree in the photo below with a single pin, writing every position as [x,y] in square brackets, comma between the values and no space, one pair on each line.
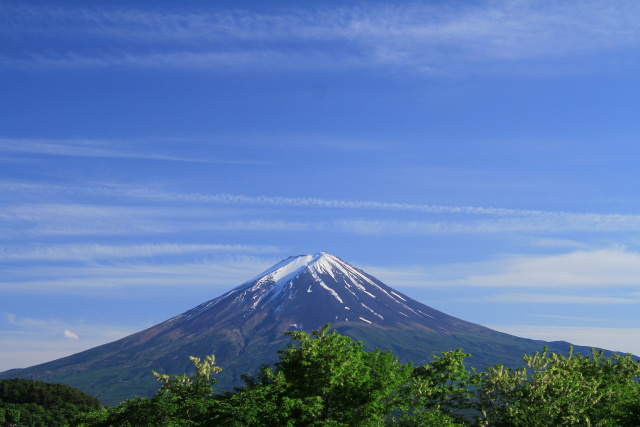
[558,390]
[324,379]
[181,401]
[439,392]
[261,402]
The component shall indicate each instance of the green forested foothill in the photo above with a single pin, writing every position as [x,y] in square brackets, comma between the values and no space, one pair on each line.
[327,379]
[35,403]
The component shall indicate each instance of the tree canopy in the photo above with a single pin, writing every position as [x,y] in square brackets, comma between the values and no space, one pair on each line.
[36,403]
[326,379]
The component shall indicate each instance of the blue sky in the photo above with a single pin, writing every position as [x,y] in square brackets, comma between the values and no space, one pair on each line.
[481,157]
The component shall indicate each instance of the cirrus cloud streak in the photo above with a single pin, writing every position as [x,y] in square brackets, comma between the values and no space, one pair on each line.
[423,37]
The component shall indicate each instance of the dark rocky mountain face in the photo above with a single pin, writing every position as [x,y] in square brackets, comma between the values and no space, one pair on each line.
[244,328]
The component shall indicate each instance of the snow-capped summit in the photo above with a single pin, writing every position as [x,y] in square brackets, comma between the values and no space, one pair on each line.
[288,268]
[308,291]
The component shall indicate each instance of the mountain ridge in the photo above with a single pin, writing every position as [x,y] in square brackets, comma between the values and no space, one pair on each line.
[245,327]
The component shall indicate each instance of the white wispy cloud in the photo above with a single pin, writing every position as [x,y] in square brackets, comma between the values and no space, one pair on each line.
[27,341]
[50,328]
[85,219]
[535,219]
[625,340]
[614,269]
[68,334]
[112,220]
[536,222]
[559,243]
[53,218]
[547,298]
[577,318]
[550,279]
[221,273]
[609,267]
[424,37]
[212,149]
[77,252]
[102,148]
[153,195]
[225,198]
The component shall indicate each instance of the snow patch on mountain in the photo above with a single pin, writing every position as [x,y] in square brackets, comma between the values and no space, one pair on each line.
[315,275]
[352,288]
[372,311]
[285,270]
[399,296]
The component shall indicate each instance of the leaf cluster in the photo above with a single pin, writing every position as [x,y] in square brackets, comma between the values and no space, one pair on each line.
[562,390]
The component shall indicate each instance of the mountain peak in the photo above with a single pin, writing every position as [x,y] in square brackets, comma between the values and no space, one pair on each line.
[307,291]
[288,268]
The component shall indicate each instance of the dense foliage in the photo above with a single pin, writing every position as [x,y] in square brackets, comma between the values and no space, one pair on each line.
[557,390]
[36,403]
[326,379]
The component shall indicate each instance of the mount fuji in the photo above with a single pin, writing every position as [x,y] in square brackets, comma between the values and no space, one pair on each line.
[244,328]
[308,291]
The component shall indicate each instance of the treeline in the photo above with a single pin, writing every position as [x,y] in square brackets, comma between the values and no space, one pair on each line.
[38,404]
[326,379]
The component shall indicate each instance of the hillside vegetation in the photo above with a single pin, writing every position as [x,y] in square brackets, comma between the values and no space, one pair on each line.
[327,379]
[36,403]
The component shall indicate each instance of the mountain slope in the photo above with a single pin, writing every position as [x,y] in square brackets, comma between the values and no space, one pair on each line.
[245,327]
